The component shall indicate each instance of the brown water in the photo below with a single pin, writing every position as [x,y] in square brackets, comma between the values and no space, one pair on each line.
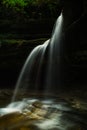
[44,114]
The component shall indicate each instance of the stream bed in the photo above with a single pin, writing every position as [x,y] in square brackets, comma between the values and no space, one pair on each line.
[44,113]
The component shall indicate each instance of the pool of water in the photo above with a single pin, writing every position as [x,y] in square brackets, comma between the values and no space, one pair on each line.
[44,114]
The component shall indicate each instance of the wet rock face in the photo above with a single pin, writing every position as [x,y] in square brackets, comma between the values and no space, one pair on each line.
[49,114]
[70,11]
[75,50]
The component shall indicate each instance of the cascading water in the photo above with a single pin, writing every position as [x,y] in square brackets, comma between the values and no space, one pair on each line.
[25,79]
[38,102]
[53,67]
[36,58]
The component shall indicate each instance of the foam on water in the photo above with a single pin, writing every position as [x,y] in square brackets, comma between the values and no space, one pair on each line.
[40,114]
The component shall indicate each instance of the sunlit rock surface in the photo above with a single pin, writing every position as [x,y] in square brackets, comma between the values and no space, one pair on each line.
[44,114]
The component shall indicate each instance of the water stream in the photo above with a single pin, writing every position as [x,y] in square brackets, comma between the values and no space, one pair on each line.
[41,76]
[32,77]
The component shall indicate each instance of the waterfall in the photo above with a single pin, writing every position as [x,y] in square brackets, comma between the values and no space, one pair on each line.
[31,75]
[44,74]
